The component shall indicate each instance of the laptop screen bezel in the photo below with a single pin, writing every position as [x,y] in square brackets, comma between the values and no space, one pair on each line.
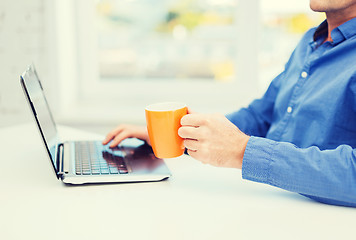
[23,79]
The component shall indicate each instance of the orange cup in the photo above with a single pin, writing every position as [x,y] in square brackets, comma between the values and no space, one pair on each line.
[163,122]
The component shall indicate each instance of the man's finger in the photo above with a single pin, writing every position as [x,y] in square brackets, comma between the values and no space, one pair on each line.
[189,132]
[118,139]
[192,153]
[108,138]
[197,156]
[191,144]
[193,119]
[112,134]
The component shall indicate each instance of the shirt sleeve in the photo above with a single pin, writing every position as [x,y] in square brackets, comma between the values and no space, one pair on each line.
[328,176]
[256,118]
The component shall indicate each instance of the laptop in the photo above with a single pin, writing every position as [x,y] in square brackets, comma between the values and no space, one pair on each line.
[81,162]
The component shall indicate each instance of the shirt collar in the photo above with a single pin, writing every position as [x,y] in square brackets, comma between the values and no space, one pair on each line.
[339,34]
[321,31]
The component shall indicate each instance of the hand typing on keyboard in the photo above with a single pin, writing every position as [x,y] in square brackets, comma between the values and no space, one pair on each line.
[123,131]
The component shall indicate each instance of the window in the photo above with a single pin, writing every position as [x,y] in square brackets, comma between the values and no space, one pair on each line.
[118,56]
[115,57]
[166,40]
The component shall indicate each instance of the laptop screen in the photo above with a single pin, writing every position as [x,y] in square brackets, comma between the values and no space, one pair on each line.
[40,109]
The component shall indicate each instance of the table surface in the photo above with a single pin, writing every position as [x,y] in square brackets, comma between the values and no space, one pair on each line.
[198,202]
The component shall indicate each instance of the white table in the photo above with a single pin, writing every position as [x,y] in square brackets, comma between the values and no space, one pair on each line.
[197,202]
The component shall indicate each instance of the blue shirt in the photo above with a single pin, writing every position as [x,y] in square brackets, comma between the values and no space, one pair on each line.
[303,130]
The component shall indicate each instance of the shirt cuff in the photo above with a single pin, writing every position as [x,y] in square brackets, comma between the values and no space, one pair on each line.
[257,159]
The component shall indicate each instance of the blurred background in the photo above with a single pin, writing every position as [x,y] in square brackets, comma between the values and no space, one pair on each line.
[102,61]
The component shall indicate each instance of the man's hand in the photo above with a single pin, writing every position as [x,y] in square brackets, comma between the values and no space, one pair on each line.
[213,139]
[124,131]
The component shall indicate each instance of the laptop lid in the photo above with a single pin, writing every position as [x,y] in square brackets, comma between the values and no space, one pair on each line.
[35,96]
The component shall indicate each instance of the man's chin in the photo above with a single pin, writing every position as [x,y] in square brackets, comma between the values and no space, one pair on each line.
[316,8]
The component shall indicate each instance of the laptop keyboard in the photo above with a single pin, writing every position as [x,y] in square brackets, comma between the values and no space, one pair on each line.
[92,158]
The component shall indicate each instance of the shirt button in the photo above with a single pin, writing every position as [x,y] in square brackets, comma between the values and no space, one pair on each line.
[289,109]
[304,74]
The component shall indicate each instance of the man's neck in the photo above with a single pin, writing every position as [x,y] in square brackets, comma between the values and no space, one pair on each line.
[336,18]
